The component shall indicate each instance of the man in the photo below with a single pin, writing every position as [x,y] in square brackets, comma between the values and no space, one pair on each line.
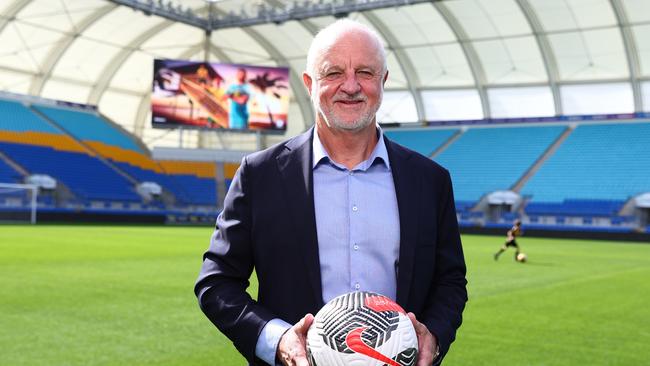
[336,209]
[239,93]
[511,240]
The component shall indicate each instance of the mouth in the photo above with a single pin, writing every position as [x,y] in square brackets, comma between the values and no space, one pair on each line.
[350,103]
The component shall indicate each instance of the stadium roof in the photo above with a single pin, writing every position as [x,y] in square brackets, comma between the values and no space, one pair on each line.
[455,59]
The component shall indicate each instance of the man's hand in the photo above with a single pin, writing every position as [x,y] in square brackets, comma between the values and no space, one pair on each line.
[427,343]
[292,349]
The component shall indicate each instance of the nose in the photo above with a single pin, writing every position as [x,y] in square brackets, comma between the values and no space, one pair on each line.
[351,84]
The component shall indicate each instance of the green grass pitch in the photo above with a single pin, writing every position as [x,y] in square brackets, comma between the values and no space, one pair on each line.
[122,295]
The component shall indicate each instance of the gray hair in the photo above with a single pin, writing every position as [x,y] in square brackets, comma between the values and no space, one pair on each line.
[334,30]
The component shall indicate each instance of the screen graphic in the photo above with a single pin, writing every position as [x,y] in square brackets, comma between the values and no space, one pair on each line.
[219,96]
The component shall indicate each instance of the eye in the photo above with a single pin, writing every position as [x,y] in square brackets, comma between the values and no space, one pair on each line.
[367,74]
[332,75]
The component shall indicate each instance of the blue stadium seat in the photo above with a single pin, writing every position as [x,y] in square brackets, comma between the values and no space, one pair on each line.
[596,163]
[9,174]
[510,216]
[187,189]
[610,229]
[88,126]
[576,207]
[16,117]
[484,160]
[423,141]
[86,176]
[463,206]
[195,190]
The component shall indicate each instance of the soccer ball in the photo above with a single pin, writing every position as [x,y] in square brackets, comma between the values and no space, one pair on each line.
[521,257]
[362,329]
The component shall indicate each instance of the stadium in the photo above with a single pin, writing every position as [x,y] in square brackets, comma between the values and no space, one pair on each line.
[118,146]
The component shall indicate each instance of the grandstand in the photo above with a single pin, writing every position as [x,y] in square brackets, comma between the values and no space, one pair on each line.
[98,167]
[568,176]
[526,128]
[565,175]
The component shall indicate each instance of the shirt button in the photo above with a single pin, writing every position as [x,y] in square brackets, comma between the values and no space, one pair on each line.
[356,247]
[355,208]
[357,286]
[351,173]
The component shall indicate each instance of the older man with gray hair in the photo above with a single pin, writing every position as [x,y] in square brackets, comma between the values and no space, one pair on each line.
[337,209]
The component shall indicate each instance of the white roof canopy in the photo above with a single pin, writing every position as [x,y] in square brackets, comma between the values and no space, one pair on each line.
[481,51]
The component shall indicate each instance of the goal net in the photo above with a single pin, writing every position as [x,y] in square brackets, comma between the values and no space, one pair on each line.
[18,202]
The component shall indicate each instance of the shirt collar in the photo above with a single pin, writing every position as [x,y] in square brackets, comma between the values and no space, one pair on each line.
[379,152]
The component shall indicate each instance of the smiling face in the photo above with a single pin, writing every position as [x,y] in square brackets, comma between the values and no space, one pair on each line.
[346,82]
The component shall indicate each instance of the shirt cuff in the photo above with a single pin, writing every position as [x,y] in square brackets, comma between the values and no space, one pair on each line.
[267,343]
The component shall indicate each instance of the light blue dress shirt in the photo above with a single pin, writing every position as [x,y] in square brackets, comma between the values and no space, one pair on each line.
[357,224]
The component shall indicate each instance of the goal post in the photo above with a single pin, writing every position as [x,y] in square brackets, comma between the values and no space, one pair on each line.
[18,197]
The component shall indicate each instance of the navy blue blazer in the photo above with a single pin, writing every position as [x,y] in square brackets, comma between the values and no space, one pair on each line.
[268,225]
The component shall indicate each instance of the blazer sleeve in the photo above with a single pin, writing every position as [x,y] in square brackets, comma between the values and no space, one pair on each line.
[227,267]
[448,294]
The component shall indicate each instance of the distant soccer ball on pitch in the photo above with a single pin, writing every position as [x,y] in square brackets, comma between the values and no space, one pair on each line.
[521,257]
[362,329]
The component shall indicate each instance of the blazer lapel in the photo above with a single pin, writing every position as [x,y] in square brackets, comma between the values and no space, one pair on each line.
[294,164]
[407,188]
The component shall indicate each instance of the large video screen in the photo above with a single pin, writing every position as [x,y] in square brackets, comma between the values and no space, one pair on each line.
[219,96]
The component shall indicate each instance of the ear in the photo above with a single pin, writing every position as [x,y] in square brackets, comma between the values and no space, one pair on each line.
[307,80]
[385,78]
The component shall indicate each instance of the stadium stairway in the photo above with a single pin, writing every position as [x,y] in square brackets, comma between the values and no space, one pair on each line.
[111,144]
[486,159]
[88,126]
[47,119]
[26,137]
[10,171]
[447,143]
[596,170]
[84,175]
[547,154]
[119,149]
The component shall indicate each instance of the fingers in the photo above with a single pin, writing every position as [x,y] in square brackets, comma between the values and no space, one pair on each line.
[303,325]
[292,346]
[426,342]
[302,362]
[420,329]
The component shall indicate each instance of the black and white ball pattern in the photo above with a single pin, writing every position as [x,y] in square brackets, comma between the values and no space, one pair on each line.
[362,329]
